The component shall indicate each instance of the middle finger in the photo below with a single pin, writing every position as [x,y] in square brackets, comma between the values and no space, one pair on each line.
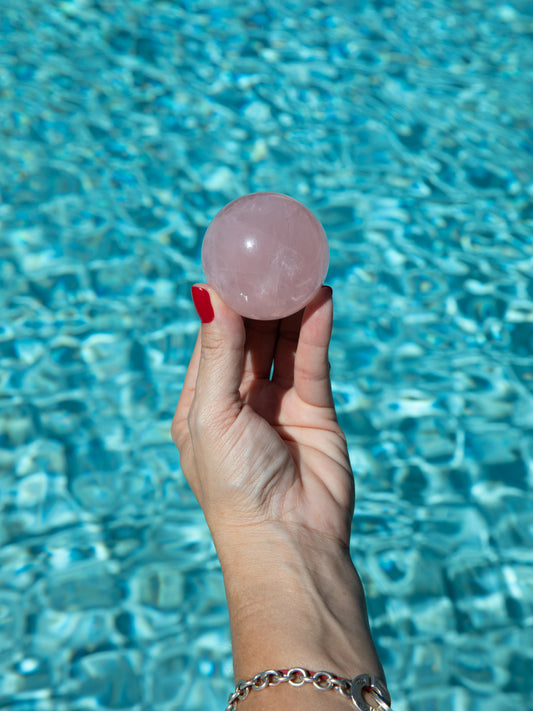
[259,347]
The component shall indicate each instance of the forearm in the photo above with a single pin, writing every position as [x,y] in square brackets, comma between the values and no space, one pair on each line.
[295,600]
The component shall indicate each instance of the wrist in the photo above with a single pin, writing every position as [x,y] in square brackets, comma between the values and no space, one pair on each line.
[295,598]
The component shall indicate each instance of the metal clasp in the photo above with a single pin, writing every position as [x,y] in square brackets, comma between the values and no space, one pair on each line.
[377,690]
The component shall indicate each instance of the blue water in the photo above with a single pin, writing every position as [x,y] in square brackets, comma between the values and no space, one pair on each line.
[125,125]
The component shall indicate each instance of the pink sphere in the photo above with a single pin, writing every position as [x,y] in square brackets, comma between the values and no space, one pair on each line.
[266,255]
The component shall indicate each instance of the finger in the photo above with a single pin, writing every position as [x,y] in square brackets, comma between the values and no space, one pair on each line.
[259,348]
[221,354]
[189,383]
[289,333]
[311,366]
[180,427]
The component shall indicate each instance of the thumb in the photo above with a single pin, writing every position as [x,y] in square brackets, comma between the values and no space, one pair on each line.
[222,350]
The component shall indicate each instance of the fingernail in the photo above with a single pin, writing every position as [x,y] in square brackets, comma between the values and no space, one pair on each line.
[202,304]
[328,288]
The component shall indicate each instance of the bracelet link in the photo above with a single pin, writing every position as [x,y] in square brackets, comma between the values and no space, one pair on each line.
[270,677]
[375,688]
[321,680]
[297,676]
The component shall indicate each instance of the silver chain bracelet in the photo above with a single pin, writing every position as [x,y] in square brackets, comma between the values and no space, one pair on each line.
[324,681]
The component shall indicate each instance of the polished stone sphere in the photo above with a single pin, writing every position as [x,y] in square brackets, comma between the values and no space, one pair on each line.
[266,255]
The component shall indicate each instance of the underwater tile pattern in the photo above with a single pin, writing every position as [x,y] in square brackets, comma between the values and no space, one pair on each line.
[125,125]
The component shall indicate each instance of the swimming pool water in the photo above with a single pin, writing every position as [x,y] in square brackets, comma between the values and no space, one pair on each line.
[124,126]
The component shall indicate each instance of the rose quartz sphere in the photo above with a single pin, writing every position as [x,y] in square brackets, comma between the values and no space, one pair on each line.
[266,255]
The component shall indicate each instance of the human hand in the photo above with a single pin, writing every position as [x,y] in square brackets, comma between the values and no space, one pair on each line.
[256,426]
[268,463]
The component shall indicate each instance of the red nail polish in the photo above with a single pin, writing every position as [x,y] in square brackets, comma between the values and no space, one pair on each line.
[202,304]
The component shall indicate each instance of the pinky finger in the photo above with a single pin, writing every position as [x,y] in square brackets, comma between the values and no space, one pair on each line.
[311,366]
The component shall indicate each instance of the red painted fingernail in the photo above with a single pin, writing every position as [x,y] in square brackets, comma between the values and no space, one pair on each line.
[202,304]
[326,286]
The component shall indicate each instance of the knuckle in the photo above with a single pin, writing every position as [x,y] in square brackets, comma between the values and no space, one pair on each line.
[214,347]
[176,432]
[200,420]
[207,420]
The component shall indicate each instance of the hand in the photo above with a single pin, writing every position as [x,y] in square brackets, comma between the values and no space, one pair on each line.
[261,451]
[264,455]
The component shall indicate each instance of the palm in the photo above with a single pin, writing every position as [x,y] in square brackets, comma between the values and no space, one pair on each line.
[309,480]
